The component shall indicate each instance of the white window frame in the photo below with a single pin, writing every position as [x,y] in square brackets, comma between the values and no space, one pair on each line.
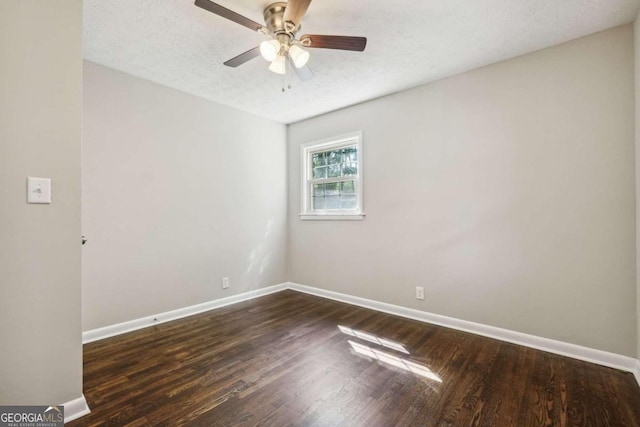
[306,152]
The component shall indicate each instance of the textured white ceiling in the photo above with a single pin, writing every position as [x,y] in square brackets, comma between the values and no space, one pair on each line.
[410,42]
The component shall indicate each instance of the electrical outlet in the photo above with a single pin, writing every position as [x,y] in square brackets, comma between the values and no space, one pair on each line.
[225,282]
[419,292]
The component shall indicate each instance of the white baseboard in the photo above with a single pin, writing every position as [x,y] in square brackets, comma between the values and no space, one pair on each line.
[574,351]
[75,409]
[144,322]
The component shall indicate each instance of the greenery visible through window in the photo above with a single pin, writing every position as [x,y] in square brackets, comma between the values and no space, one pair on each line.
[335,165]
[332,176]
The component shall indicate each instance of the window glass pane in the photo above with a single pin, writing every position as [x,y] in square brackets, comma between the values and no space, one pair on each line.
[347,201]
[348,187]
[334,157]
[332,188]
[318,189]
[334,171]
[350,169]
[318,203]
[320,172]
[332,202]
[318,159]
[350,154]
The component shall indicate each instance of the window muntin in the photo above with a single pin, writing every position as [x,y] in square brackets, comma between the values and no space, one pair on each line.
[332,177]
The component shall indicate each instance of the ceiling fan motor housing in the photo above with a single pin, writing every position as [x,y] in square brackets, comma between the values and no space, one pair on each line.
[274,19]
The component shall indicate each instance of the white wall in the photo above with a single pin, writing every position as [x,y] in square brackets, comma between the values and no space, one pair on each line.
[636,44]
[40,115]
[507,192]
[177,193]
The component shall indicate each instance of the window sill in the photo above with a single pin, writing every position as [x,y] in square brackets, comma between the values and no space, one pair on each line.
[331,217]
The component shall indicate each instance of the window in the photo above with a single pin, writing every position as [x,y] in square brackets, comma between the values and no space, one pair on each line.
[332,178]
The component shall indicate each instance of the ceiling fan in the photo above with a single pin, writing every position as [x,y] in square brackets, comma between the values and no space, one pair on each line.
[282,22]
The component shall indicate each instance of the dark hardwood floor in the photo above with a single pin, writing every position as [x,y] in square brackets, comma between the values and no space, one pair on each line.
[294,359]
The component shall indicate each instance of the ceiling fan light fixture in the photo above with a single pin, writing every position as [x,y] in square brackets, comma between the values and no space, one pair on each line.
[278,65]
[299,56]
[269,49]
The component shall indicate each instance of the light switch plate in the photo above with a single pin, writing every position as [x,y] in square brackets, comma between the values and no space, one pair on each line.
[38,190]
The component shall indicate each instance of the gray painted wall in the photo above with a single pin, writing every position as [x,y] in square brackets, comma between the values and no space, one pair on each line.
[507,192]
[177,193]
[40,124]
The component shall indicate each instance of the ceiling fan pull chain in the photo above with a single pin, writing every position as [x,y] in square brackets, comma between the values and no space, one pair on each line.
[288,63]
[286,76]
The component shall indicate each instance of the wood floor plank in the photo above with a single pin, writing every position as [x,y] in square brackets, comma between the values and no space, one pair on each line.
[295,359]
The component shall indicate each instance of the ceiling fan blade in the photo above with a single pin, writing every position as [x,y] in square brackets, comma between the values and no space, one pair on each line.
[334,42]
[229,14]
[243,57]
[303,73]
[294,11]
